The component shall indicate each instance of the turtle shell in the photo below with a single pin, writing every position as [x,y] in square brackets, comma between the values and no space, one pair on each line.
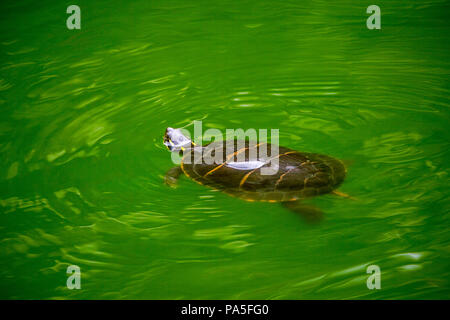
[237,170]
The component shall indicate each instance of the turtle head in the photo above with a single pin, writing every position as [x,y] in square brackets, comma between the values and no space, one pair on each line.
[175,140]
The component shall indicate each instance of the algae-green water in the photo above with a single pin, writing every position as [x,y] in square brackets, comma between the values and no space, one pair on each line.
[82,162]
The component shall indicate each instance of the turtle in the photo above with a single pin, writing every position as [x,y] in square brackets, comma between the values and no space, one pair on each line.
[300,175]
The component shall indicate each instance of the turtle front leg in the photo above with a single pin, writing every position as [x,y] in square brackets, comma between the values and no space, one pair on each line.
[311,214]
[172,176]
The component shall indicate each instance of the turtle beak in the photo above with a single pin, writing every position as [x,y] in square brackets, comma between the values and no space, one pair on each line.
[167,140]
[168,143]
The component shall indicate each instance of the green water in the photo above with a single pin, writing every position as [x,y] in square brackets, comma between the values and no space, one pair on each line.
[82,161]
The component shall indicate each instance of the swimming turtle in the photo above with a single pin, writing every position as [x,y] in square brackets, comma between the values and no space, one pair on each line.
[300,175]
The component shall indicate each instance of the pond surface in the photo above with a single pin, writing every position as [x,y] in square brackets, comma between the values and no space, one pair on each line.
[82,160]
